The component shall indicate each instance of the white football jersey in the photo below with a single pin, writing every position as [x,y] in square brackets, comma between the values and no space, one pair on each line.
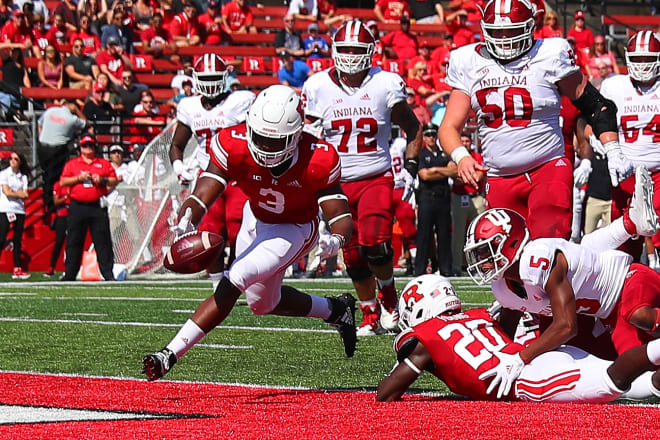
[597,278]
[398,155]
[206,123]
[517,104]
[638,116]
[356,121]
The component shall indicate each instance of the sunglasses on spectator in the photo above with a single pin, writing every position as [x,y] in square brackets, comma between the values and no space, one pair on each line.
[14,158]
[115,152]
[77,45]
[147,101]
[127,77]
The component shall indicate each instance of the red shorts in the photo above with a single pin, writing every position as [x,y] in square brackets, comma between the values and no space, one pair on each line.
[544,196]
[405,215]
[641,288]
[370,202]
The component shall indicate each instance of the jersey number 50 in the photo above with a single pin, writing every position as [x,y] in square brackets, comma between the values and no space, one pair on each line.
[517,110]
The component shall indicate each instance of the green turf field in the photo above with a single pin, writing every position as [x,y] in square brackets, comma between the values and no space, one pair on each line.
[106,328]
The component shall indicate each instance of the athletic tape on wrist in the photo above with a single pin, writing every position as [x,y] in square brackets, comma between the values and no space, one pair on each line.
[459,153]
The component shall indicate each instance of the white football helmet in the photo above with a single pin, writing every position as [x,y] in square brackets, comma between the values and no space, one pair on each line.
[356,37]
[515,18]
[210,73]
[643,56]
[425,297]
[274,125]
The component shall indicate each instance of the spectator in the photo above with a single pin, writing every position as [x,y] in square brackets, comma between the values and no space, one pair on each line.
[51,70]
[143,11]
[69,12]
[237,18]
[112,61]
[39,7]
[391,11]
[421,112]
[130,92]
[289,39]
[423,55]
[550,28]
[427,12]
[110,95]
[304,10]
[80,69]
[59,31]
[434,201]
[598,210]
[603,73]
[184,27]
[471,7]
[377,58]
[118,31]
[328,13]
[294,72]
[599,54]
[315,45]
[584,38]
[187,91]
[14,76]
[211,23]
[234,84]
[57,127]
[420,82]
[466,203]
[581,59]
[61,202]
[14,185]
[146,122]
[16,33]
[461,34]
[401,44]
[96,12]
[90,177]
[91,42]
[40,34]
[156,38]
[98,110]
[182,75]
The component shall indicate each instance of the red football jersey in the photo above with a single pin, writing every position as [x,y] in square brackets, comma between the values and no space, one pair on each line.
[289,198]
[462,348]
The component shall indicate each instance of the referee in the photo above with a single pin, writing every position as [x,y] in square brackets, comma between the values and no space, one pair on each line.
[90,178]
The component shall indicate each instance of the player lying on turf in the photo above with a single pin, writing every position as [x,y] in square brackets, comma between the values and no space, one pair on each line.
[554,277]
[458,347]
[286,175]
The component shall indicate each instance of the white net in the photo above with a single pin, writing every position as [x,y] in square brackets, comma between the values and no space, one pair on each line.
[143,208]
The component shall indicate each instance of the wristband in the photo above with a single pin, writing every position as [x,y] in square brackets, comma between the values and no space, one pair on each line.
[459,154]
[342,240]
[410,165]
[199,201]
[611,146]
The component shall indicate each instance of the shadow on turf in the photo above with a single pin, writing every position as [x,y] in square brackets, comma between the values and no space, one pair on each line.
[414,394]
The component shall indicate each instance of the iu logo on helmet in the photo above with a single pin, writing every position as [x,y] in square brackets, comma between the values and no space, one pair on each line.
[500,218]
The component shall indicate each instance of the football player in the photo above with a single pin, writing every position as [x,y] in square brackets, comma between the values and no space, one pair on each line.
[635,95]
[460,347]
[281,170]
[514,83]
[404,210]
[353,105]
[203,116]
[554,277]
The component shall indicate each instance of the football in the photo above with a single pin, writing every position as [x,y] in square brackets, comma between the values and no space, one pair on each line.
[194,251]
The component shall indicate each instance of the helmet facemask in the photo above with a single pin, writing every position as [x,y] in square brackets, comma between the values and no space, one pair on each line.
[508,47]
[272,149]
[486,252]
[643,70]
[352,63]
[211,84]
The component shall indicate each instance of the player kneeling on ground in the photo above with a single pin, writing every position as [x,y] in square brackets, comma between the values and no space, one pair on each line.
[283,171]
[437,333]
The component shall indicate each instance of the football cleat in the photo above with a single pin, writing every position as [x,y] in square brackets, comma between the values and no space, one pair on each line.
[370,325]
[343,319]
[641,211]
[157,365]
[389,308]
[18,274]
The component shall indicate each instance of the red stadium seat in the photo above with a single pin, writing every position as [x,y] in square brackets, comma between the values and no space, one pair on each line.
[318,64]
[277,64]
[254,64]
[142,63]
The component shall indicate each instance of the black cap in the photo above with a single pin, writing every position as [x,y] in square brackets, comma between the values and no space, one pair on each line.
[430,129]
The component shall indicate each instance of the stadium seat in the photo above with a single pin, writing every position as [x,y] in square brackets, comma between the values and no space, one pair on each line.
[142,63]
[318,64]
[254,65]
[395,66]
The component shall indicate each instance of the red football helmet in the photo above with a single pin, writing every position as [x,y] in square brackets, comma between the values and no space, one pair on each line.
[352,47]
[643,56]
[508,27]
[495,240]
[209,74]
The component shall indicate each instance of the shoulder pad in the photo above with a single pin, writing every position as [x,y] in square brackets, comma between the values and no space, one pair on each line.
[536,262]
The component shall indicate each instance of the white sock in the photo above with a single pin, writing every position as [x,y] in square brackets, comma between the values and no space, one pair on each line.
[371,304]
[320,307]
[189,335]
[653,259]
[653,351]
[610,237]
[641,388]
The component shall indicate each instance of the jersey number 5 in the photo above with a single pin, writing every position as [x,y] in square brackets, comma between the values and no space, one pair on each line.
[517,110]
[367,129]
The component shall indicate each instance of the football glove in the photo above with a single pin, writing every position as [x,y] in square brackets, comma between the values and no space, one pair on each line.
[504,373]
[582,172]
[183,174]
[184,226]
[619,166]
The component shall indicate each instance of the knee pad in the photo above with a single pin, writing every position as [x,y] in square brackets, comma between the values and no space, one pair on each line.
[379,254]
[358,273]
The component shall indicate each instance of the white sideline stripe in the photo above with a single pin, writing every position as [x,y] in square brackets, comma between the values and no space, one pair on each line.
[84,314]
[223,346]
[189,312]
[14,414]
[156,324]
[17,293]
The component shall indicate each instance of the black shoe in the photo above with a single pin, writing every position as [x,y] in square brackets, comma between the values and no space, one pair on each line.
[157,365]
[65,277]
[342,317]
[49,274]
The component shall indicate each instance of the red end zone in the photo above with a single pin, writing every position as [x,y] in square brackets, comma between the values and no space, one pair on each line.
[201,411]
